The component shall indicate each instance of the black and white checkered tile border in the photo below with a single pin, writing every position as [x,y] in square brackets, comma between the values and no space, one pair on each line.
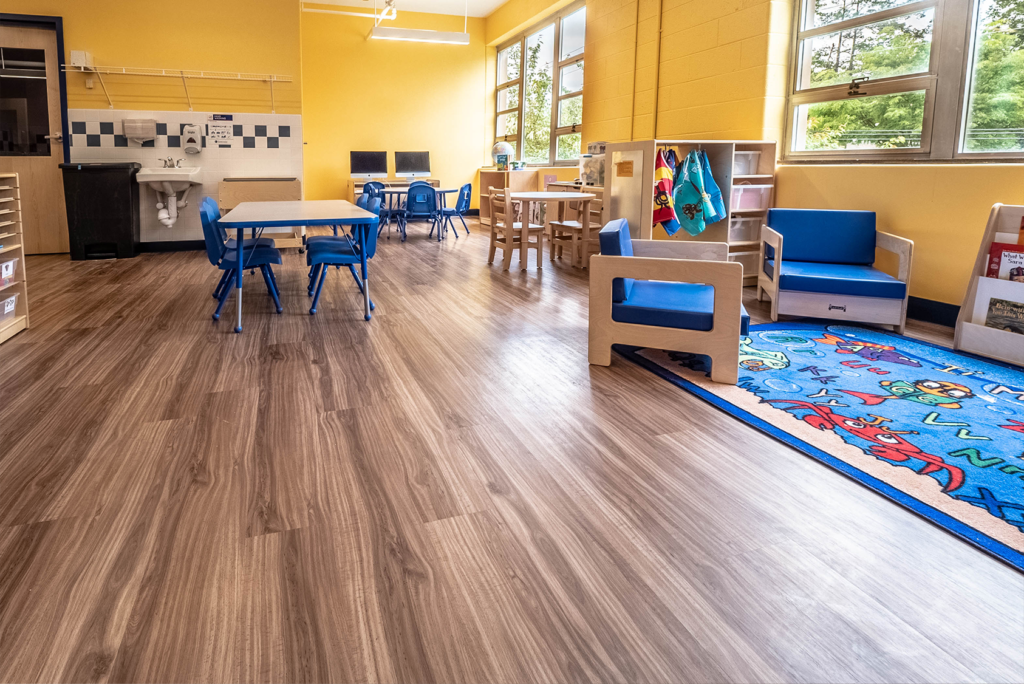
[246,136]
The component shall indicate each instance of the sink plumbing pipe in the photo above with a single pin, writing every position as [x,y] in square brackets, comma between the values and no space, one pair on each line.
[168,209]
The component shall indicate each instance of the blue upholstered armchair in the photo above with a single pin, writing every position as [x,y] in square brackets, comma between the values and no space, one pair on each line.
[680,296]
[826,269]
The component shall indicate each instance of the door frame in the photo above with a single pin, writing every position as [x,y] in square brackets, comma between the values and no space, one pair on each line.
[54,24]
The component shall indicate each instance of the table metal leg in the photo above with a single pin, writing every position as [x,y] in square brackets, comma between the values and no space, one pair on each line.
[362,263]
[239,256]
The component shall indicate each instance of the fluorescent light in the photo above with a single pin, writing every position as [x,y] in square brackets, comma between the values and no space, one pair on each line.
[420,35]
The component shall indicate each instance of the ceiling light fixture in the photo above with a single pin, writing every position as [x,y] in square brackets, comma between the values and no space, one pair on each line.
[419,35]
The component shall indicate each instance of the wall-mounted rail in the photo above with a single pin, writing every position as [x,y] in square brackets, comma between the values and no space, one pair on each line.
[184,74]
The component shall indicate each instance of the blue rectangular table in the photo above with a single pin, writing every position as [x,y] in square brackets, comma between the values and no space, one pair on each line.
[261,215]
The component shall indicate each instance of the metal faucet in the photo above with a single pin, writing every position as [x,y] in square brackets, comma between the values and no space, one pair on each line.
[177,163]
[168,163]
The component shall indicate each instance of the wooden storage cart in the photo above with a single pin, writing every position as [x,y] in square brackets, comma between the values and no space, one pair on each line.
[12,246]
[629,188]
[234,191]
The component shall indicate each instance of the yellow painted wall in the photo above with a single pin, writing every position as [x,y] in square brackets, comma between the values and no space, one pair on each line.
[941,207]
[361,94]
[517,15]
[722,73]
[260,36]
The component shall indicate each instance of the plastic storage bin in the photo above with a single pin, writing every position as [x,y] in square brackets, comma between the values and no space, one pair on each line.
[7,270]
[745,163]
[8,305]
[744,229]
[749,261]
[750,197]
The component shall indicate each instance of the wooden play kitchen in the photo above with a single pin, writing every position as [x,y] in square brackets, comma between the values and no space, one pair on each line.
[13,287]
[743,169]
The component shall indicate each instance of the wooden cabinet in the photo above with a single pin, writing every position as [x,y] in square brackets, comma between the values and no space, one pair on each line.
[748,165]
[12,246]
[355,185]
[518,181]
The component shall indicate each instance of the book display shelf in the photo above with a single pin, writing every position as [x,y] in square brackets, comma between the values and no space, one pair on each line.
[994,307]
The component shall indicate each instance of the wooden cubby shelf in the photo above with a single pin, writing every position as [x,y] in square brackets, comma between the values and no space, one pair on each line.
[11,235]
[629,188]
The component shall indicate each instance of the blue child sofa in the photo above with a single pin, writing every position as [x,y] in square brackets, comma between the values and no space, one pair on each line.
[680,296]
[820,263]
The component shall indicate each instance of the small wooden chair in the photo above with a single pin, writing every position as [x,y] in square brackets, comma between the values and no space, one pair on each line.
[580,234]
[508,233]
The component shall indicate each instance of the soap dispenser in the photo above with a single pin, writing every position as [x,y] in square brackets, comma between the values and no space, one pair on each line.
[192,139]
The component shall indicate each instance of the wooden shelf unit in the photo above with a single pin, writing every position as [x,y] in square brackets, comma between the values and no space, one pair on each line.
[519,181]
[12,239]
[631,194]
[1004,225]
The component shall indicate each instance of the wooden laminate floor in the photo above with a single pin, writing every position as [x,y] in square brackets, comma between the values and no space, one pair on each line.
[448,493]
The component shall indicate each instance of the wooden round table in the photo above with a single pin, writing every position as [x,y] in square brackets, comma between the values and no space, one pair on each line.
[562,198]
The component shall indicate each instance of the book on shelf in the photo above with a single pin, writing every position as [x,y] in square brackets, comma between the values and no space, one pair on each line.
[1004,314]
[1006,262]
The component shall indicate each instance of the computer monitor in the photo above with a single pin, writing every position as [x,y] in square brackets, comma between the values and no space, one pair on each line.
[412,164]
[369,164]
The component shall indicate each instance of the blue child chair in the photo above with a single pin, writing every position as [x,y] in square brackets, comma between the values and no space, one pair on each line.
[681,296]
[258,256]
[461,207]
[345,251]
[827,267]
[213,211]
[421,205]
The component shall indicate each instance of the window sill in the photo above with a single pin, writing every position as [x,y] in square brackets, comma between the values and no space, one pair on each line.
[919,161]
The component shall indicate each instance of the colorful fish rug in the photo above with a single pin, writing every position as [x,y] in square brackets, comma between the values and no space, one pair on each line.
[935,430]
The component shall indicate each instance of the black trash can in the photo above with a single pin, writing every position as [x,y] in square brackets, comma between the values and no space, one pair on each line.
[102,201]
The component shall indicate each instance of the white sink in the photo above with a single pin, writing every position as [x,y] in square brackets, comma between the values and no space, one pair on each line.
[167,183]
[170,180]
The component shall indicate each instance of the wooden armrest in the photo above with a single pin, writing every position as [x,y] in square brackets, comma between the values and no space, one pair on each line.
[772,239]
[900,246]
[677,249]
[892,243]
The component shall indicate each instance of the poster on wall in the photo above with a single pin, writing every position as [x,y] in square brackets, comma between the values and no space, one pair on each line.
[220,133]
[220,130]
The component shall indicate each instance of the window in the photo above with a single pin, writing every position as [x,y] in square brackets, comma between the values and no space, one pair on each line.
[877,79]
[540,85]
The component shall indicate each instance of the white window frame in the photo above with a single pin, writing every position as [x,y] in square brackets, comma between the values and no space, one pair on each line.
[945,84]
[556,96]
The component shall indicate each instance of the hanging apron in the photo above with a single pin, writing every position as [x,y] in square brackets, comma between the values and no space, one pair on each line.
[664,212]
[692,202]
[712,189]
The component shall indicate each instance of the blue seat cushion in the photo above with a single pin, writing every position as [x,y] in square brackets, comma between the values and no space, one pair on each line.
[256,257]
[825,236]
[838,279]
[333,251]
[314,239]
[249,242]
[687,306]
